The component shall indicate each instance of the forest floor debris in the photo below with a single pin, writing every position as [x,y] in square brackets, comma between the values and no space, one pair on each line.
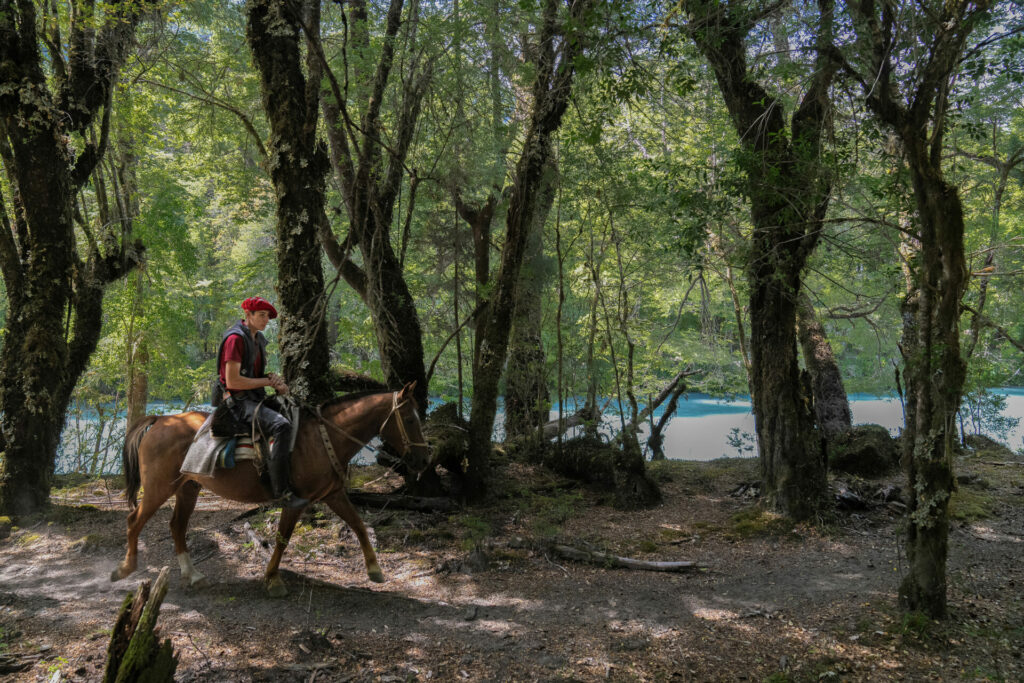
[463,601]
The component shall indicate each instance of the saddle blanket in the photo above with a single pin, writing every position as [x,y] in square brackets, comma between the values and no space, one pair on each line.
[206,452]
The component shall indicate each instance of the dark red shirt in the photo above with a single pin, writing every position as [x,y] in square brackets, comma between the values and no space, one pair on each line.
[234,349]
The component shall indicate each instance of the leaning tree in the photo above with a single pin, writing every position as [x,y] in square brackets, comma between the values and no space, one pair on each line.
[559,44]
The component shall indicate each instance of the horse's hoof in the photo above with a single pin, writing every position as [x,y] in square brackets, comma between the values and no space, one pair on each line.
[118,574]
[276,588]
[376,575]
[199,582]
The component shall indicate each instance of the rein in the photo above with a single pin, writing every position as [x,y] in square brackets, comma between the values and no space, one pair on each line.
[323,423]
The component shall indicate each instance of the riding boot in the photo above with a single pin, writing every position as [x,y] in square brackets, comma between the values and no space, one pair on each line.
[278,469]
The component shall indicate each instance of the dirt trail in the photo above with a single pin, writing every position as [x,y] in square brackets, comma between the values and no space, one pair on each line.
[463,603]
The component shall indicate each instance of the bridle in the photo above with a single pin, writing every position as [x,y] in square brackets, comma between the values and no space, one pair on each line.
[407,443]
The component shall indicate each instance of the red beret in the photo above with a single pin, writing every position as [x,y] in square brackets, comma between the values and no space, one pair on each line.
[258,303]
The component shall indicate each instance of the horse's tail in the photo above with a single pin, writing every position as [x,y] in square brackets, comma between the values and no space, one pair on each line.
[130,458]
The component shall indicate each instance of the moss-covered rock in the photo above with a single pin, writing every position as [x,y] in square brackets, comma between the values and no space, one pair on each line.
[448,435]
[866,450]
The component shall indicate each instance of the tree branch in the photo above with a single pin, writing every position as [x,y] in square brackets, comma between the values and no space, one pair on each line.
[338,255]
[221,104]
[472,316]
[988,322]
[653,405]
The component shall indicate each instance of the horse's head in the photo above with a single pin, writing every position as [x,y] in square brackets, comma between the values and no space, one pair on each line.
[402,430]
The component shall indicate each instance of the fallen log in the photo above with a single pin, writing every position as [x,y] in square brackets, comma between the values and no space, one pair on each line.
[401,501]
[586,414]
[566,552]
[134,652]
[11,663]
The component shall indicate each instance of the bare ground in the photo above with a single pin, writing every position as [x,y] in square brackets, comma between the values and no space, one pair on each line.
[470,597]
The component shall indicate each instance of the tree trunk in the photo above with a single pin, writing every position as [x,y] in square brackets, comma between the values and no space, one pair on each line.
[789,191]
[934,369]
[47,284]
[138,382]
[934,376]
[831,406]
[298,166]
[479,218]
[135,652]
[792,464]
[551,89]
[527,396]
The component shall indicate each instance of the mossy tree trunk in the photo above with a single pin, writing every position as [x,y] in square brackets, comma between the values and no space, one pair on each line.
[556,52]
[479,217]
[527,395]
[52,137]
[789,189]
[934,369]
[298,164]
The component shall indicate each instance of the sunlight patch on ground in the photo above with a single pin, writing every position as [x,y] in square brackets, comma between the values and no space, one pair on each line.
[987,533]
[490,626]
[711,614]
[502,600]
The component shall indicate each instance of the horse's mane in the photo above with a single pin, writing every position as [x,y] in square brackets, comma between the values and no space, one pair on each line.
[364,386]
[338,400]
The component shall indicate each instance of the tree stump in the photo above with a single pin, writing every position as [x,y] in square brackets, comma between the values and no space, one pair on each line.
[135,653]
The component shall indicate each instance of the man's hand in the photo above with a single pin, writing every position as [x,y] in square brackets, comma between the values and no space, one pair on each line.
[277,383]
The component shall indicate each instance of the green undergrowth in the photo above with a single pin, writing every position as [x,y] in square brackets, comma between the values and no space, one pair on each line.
[359,476]
[755,522]
[8,635]
[711,475]
[472,529]
[77,485]
[968,504]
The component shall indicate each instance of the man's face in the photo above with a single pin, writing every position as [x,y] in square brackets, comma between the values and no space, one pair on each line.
[257,320]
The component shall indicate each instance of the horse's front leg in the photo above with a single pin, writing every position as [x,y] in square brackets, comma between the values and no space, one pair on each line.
[343,507]
[285,527]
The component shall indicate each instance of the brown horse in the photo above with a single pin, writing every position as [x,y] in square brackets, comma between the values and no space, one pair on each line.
[155,448]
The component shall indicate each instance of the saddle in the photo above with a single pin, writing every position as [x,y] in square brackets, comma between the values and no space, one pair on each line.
[207,452]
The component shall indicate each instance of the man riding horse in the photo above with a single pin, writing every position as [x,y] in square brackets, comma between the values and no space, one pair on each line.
[241,361]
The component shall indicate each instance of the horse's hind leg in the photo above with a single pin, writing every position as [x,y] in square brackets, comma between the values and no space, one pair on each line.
[184,503]
[285,527]
[341,505]
[137,518]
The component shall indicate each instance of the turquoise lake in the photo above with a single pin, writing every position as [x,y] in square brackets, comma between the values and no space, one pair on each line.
[703,428]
